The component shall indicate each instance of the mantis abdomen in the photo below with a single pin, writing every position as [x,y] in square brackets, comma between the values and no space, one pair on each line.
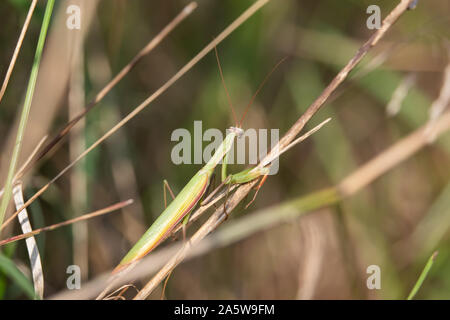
[169,218]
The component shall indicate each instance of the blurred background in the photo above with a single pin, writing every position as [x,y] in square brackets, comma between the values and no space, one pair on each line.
[396,223]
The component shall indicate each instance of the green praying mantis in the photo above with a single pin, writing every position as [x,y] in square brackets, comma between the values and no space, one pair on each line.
[195,189]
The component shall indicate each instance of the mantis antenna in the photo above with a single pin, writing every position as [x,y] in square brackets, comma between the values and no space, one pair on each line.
[225,86]
[239,124]
[259,89]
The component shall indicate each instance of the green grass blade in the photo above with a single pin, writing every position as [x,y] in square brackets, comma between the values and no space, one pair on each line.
[8,267]
[26,109]
[423,275]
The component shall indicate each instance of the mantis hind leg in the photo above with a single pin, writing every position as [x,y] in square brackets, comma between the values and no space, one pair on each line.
[166,187]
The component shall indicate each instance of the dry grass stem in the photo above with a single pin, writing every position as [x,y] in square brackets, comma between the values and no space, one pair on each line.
[87,216]
[400,151]
[17,49]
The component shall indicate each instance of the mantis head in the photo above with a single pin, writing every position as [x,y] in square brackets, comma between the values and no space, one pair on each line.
[236,130]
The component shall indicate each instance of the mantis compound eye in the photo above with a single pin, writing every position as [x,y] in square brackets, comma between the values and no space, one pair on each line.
[238,131]
[413,5]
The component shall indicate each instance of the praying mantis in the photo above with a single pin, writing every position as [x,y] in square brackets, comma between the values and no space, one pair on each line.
[195,189]
[188,197]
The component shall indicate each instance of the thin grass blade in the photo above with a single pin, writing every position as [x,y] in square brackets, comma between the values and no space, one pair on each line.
[422,276]
[26,110]
[8,267]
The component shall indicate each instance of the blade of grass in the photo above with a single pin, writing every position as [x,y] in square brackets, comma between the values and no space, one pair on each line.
[422,276]
[8,252]
[8,267]
[26,109]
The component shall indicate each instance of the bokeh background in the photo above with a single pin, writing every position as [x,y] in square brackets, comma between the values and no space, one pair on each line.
[397,222]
